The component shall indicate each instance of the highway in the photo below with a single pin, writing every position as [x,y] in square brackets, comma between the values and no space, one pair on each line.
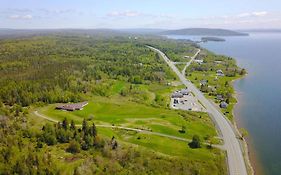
[235,159]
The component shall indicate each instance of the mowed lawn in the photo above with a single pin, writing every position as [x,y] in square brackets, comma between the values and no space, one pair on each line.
[120,111]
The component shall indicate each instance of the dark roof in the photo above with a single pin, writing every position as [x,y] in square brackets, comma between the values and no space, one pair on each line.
[72,107]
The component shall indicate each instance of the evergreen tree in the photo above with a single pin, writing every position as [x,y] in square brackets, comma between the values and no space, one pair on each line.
[72,125]
[65,124]
[85,127]
[94,130]
[195,143]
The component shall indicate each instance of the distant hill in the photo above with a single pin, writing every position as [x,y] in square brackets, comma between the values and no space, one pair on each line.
[142,31]
[204,32]
[15,33]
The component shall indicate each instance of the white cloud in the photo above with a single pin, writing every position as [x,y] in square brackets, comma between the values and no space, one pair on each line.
[124,14]
[20,17]
[263,13]
[252,14]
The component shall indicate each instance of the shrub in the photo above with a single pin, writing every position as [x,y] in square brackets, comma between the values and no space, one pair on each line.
[74,147]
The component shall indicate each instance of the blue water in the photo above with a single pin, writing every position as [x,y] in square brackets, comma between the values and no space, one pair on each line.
[259,93]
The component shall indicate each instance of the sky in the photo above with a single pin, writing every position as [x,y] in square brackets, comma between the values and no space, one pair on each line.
[118,14]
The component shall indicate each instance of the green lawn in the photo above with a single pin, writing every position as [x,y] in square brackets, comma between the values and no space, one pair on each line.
[120,111]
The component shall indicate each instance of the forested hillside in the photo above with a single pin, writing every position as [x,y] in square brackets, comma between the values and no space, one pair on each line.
[125,83]
[60,69]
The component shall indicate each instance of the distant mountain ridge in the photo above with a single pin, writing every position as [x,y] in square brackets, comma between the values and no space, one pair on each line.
[204,32]
[14,33]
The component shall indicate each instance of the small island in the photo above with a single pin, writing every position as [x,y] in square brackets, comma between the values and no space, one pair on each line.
[216,39]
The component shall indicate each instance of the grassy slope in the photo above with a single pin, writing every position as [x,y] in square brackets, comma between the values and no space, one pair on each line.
[120,111]
[203,160]
[124,112]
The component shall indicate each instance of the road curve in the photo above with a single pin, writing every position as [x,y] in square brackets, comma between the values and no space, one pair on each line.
[236,163]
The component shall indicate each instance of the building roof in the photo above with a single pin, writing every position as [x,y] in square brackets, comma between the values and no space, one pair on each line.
[177,95]
[203,82]
[73,106]
[223,104]
[184,91]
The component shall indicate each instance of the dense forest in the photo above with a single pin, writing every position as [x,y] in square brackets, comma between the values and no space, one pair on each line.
[61,69]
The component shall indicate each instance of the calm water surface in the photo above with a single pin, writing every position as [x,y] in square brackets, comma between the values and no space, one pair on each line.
[259,93]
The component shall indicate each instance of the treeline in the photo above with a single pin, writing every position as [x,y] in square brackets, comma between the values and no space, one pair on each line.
[79,138]
[18,153]
[61,69]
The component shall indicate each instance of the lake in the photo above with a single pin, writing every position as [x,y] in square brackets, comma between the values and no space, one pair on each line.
[259,94]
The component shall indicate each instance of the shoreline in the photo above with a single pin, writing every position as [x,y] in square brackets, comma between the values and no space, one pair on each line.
[243,143]
[251,156]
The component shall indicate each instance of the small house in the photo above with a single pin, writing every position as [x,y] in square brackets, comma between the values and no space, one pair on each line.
[203,82]
[220,73]
[220,97]
[223,105]
[199,61]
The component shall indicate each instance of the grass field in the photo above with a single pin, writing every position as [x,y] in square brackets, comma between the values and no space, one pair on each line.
[119,111]
[124,111]
[204,159]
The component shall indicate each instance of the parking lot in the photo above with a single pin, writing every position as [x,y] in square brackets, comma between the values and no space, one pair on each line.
[187,102]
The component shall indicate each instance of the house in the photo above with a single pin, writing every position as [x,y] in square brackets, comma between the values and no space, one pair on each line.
[223,105]
[220,73]
[220,97]
[203,82]
[72,107]
[199,61]
[185,91]
[177,95]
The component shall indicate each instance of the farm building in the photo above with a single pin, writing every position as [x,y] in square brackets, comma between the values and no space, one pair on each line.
[72,107]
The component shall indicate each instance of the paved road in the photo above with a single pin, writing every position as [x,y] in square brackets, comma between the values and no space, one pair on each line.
[190,61]
[130,129]
[236,163]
